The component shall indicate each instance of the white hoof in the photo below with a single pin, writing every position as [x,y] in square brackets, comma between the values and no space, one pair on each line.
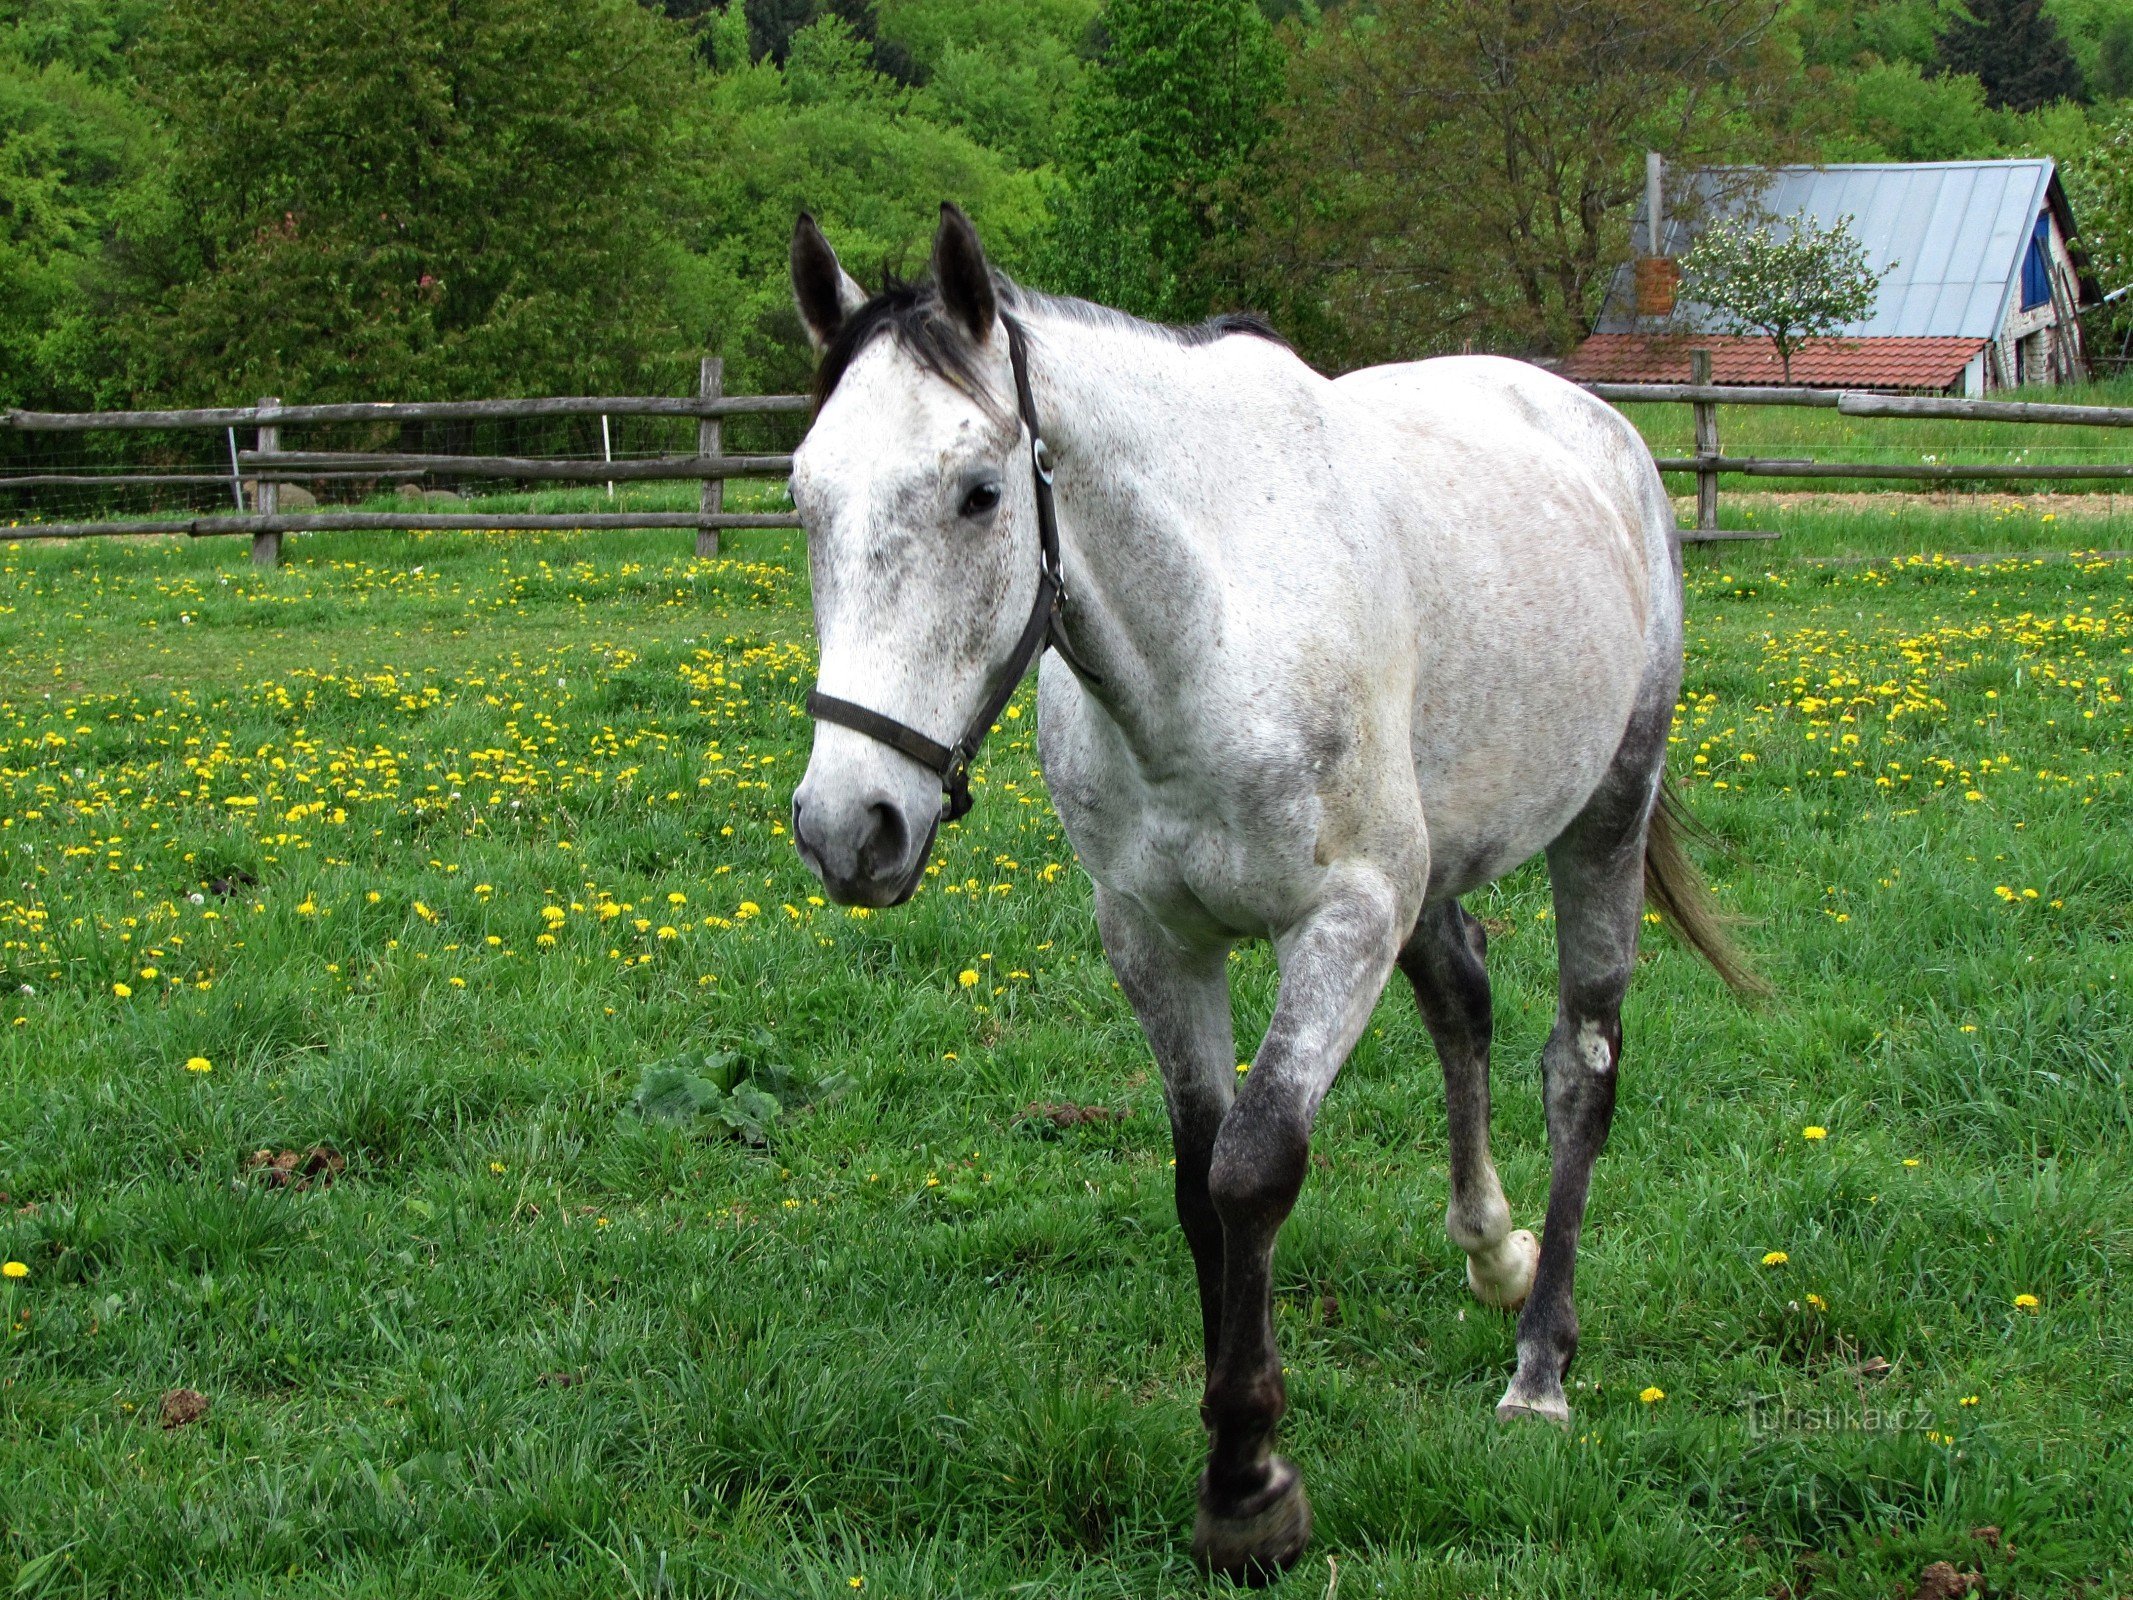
[1534,1405]
[1503,1277]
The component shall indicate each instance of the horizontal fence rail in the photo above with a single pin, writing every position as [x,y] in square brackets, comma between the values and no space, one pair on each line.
[1866,403]
[299,464]
[749,405]
[353,521]
[1778,467]
[259,475]
[1703,397]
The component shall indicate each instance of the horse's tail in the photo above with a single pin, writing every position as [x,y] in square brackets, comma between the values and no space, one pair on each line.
[1676,890]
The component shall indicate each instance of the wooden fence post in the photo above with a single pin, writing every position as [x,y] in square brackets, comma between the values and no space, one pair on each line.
[1706,414]
[710,441]
[266,494]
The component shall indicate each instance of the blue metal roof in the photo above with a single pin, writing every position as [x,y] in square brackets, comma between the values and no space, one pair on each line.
[1957,231]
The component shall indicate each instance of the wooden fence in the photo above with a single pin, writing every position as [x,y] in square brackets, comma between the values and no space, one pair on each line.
[1704,398]
[269,465]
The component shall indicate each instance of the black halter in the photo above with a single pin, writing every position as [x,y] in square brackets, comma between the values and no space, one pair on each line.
[952,762]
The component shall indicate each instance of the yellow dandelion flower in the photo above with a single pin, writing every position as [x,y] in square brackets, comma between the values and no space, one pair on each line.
[122,990]
[198,1064]
[967,978]
[1775,1258]
[14,1269]
[1812,1131]
[2026,1302]
[1967,1400]
[1652,1395]
[498,1168]
[1818,1302]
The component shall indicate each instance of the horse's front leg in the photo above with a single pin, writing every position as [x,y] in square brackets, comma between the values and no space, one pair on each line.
[1180,993]
[1253,1518]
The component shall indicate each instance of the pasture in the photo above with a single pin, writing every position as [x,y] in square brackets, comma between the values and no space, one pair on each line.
[423,848]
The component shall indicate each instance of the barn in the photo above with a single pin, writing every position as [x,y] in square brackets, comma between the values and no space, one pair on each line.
[1986,292]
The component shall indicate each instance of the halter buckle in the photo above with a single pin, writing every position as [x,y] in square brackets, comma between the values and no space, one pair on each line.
[1040,455]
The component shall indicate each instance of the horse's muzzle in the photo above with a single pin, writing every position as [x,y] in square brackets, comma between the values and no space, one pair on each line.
[866,854]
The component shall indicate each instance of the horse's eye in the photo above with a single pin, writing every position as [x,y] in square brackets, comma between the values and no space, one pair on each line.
[981,499]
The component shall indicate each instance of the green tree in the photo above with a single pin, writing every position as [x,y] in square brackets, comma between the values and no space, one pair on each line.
[829,134]
[1162,135]
[1458,173]
[73,151]
[1898,113]
[2099,187]
[2015,49]
[1846,33]
[1005,72]
[1791,282]
[2114,64]
[94,37]
[392,198]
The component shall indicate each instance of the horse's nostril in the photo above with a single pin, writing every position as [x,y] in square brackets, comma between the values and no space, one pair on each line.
[881,852]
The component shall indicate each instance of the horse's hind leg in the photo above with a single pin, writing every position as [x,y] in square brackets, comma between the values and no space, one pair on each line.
[1445,959]
[1598,871]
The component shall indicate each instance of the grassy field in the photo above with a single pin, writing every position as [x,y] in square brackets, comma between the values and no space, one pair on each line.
[423,848]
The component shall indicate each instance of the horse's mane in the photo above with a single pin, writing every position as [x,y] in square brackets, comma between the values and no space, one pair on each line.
[912,314]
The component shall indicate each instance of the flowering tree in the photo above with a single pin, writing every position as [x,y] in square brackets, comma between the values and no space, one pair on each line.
[1793,283]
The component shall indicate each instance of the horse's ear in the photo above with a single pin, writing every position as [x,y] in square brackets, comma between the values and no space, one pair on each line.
[961,275]
[826,293]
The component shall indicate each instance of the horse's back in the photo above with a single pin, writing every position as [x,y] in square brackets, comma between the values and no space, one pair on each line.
[1536,419]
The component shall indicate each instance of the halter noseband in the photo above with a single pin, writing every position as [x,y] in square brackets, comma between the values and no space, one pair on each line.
[951,763]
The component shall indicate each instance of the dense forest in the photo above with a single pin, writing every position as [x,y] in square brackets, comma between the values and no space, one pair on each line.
[205,200]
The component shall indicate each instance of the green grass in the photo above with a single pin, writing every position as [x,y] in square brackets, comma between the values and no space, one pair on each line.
[1856,528]
[528,1344]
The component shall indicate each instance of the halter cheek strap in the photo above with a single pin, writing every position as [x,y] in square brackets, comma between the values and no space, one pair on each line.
[951,762]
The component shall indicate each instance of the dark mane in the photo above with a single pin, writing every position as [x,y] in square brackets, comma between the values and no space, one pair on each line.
[912,315]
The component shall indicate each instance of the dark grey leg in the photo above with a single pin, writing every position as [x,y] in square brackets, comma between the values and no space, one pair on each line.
[1181,997]
[1254,1519]
[1598,872]
[1445,961]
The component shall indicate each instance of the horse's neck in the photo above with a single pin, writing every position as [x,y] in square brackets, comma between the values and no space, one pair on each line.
[1142,456]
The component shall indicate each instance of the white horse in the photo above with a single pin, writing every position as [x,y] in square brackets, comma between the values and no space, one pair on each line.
[1336,652]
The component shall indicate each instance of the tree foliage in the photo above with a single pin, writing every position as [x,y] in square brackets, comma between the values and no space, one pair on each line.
[1161,140]
[1896,112]
[2015,49]
[208,201]
[1790,282]
[375,197]
[1465,172]
[74,149]
[2100,188]
[828,134]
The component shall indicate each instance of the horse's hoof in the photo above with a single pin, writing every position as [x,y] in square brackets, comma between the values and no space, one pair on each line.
[1520,1403]
[1506,1278]
[1257,1541]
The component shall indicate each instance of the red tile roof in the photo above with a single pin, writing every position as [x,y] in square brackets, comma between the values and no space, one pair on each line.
[1834,363]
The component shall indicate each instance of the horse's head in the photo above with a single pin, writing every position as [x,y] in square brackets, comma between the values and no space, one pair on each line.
[915,490]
